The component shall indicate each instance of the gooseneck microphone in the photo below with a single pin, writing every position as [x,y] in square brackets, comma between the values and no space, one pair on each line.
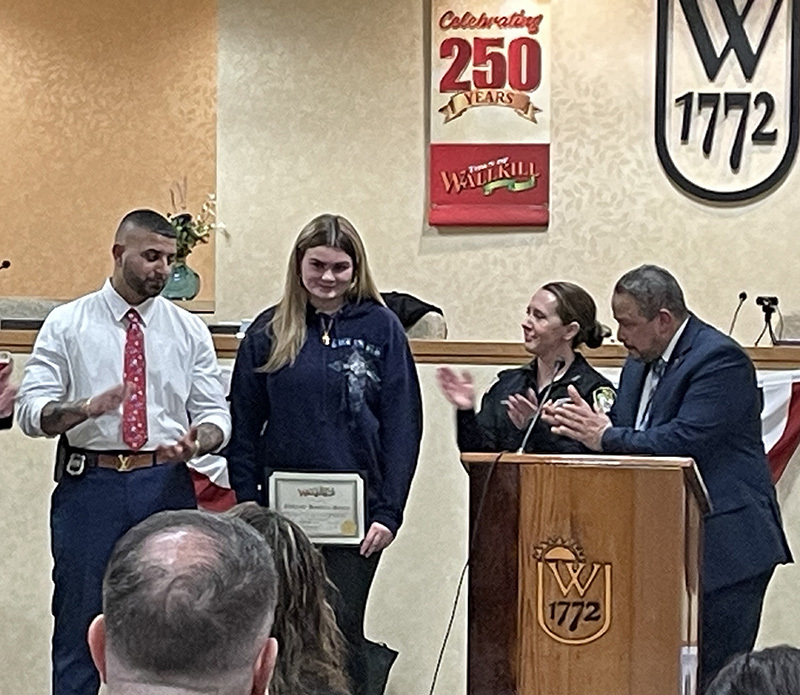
[5,264]
[557,367]
[742,297]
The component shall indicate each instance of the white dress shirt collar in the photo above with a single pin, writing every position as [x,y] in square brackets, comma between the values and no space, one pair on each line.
[119,306]
[667,354]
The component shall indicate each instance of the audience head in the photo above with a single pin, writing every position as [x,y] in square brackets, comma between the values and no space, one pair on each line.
[312,647]
[649,307]
[771,671]
[144,250]
[560,317]
[188,604]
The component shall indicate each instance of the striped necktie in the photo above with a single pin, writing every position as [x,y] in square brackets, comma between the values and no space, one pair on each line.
[657,369]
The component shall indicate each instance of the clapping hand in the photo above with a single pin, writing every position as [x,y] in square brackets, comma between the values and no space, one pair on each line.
[522,407]
[457,388]
[182,450]
[107,401]
[577,420]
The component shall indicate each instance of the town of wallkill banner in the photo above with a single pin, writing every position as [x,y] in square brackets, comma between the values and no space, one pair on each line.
[490,113]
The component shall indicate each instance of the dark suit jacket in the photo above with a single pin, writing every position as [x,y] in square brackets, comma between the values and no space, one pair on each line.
[707,405]
[5,422]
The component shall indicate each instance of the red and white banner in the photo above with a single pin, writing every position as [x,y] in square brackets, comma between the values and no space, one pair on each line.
[489,161]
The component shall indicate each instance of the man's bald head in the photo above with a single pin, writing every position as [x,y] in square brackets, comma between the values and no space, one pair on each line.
[188,597]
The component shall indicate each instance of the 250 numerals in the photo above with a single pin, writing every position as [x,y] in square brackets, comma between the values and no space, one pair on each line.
[731,101]
[576,612]
[492,68]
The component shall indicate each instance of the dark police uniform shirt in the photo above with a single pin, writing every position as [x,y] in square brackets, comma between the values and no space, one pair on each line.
[492,430]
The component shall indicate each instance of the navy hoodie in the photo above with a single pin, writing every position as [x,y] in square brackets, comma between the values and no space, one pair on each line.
[351,405]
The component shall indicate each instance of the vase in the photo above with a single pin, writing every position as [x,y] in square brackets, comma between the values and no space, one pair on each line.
[183,282]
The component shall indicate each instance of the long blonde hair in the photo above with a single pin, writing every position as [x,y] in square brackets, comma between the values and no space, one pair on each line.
[288,325]
[312,648]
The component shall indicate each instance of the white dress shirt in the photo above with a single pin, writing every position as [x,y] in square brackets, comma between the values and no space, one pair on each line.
[79,353]
[652,379]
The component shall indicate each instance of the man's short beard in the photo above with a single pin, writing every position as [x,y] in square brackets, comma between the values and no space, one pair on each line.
[141,286]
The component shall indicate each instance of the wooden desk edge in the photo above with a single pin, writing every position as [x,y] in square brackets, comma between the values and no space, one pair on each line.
[467,351]
[691,474]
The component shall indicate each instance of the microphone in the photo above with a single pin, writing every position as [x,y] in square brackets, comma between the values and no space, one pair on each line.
[557,366]
[742,297]
[5,264]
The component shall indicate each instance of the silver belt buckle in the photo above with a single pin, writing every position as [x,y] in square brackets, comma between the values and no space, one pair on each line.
[76,464]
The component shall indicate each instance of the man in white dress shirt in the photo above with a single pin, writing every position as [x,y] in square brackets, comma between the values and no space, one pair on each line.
[131,384]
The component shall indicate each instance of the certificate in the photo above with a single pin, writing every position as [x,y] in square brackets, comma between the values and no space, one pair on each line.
[328,506]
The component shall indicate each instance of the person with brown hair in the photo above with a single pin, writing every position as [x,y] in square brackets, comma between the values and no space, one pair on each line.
[560,317]
[325,381]
[312,648]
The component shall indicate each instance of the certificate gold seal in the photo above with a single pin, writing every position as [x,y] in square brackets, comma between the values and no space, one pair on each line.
[348,527]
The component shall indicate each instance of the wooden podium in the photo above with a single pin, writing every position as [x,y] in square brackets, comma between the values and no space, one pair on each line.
[584,575]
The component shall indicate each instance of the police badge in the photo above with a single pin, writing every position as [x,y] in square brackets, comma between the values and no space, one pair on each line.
[603,399]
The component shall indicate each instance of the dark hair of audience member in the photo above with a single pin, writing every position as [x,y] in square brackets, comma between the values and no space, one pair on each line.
[202,613]
[771,671]
[312,648]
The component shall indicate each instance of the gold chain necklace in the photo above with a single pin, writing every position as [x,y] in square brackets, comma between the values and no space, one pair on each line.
[326,329]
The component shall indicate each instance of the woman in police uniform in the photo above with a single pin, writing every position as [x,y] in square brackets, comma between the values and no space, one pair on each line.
[561,316]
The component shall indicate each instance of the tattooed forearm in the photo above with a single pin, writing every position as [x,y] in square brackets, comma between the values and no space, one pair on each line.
[209,437]
[58,418]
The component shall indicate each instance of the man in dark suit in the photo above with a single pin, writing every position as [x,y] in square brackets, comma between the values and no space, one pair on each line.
[688,390]
[7,391]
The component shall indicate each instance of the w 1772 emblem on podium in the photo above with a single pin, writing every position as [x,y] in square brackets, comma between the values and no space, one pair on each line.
[573,596]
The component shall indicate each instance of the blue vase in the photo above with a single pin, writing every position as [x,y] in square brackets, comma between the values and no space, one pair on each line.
[183,282]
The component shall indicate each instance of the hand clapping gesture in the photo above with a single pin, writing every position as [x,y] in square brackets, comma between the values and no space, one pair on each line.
[458,389]
[522,408]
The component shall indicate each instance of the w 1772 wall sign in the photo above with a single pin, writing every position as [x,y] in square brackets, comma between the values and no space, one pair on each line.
[727,95]
[490,113]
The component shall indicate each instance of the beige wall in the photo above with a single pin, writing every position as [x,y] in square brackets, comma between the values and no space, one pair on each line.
[102,106]
[321,106]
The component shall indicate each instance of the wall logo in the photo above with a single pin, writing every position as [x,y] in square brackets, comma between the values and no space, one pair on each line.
[573,596]
[497,174]
[727,95]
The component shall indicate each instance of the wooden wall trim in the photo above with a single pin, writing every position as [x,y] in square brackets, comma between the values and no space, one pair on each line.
[467,351]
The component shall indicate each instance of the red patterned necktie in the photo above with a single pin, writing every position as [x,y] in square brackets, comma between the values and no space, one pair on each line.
[134,409]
